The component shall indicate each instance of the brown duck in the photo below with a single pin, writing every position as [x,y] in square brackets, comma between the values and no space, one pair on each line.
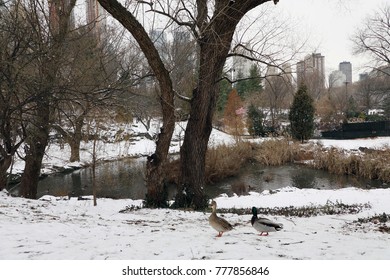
[218,223]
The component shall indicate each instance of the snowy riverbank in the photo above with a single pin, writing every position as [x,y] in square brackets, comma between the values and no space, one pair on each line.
[52,228]
[55,228]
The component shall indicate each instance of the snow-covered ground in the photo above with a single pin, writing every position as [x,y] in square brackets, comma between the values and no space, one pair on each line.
[52,228]
[57,156]
[55,228]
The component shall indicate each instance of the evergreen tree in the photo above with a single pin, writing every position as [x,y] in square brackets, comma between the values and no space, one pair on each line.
[255,121]
[248,84]
[241,84]
[352,111]
[224,89]
[302,115]
[254,83]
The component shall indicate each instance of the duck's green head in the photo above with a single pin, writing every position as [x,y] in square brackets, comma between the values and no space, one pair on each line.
[254,211]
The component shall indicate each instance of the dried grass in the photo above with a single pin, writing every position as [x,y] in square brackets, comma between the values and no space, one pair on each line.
[226,161]
[276,152]
[372,165]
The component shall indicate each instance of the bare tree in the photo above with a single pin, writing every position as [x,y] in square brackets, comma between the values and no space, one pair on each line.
[14,54]
[279,92]
[93,75]
[156,163]
[369,93]
[374,39]
[331,105]
[46,47]
[212,26]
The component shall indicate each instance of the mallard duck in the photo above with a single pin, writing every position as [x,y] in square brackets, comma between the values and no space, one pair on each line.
[264,225]
[218,223]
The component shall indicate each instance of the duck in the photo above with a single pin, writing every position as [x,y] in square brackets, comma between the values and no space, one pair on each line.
[218,223]
[264,225]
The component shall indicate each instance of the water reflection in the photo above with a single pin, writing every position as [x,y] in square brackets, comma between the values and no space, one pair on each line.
[119,179]
[125,179]
[261,178]
[305,179]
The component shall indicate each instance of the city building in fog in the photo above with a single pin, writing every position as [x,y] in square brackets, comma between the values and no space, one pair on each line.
[96,17]
[312,67]
[240,65]
[55,10]
[336,79]
[346,68]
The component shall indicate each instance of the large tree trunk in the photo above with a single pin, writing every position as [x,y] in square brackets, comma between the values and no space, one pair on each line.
[74,150]
[5,163]
[214,38]
[214,49]
[199,127]
[32,169]
[36,143]
[73,139]
[7,152]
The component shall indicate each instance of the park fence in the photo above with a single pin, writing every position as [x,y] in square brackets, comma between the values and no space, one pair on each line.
[359,130]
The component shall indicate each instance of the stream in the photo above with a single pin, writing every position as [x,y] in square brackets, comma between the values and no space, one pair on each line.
[125,179]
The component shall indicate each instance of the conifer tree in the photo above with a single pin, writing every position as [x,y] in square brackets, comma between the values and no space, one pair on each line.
[254,83]
[255,121]
[224,89]
[302,115]
[247,85]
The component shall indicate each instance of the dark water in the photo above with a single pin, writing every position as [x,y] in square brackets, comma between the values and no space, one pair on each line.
[125,179]
[262,178]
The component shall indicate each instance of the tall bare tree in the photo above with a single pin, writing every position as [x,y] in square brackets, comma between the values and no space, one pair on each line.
[213,26]
[46,48]
[93,74]
[279,92]
[14,56]
[156,163]
[373,38]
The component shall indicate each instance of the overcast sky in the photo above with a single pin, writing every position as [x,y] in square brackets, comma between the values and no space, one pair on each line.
[330,25]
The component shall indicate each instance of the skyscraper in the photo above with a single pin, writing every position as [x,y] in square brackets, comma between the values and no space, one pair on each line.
[241,65]
[346,68]
[96,17]
[56,8]
[312,67]
[336,79]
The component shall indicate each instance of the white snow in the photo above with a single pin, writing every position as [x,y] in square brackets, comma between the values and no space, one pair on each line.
[56,228]
[354,144]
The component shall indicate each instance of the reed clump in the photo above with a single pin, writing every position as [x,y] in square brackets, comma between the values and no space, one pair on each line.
[225,161]
[372,165]
[276,152]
